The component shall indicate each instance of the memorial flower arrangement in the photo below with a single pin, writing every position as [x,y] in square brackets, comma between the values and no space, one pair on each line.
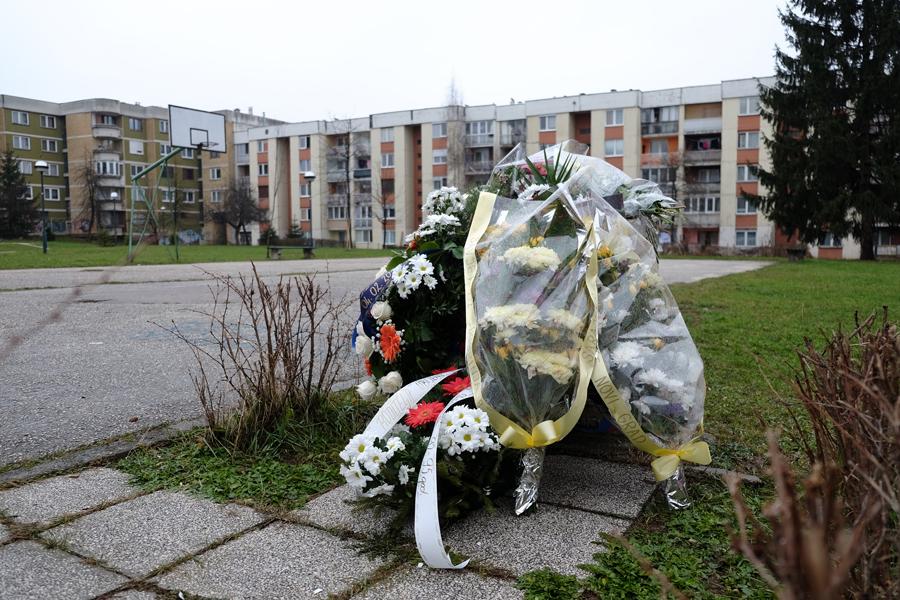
[543,285]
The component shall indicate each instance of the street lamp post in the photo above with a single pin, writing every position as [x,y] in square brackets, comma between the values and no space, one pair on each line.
[115,217]
[42,167]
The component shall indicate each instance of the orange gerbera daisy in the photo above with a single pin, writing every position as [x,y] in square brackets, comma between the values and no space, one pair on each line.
[368,367]
[390,342]
[424,413]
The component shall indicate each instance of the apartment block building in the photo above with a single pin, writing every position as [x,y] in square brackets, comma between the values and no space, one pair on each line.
[93,147]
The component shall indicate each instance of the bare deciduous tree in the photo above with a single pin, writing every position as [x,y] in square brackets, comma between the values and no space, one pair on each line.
[239,208]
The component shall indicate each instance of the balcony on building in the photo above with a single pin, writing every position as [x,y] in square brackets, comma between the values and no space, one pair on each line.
[661,120]
[656,159]
[701,220]
[336,175]
[107,152]
[661,128]
[702,149]
[365,173]
[474,140]
[104,131]
[336,200]
[513,132]
[479,167]
[702,125]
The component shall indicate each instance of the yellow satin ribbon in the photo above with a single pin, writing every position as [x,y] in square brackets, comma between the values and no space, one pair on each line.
[693,452]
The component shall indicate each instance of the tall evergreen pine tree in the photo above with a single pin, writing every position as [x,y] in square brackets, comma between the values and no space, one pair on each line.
[18,214]
[835,108]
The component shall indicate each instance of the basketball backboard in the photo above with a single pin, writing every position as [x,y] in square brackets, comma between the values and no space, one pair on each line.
[192,128]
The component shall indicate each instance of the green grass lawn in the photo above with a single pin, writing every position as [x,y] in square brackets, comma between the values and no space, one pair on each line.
[748,328]
[72,253]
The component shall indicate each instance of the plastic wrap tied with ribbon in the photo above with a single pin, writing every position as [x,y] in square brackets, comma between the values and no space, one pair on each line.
[565,289]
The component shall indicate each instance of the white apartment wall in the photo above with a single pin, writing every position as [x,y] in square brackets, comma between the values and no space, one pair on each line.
[598,132]
[765,229]
[319,187]
[631,131]
[377,198]
[532,127]
[404,190]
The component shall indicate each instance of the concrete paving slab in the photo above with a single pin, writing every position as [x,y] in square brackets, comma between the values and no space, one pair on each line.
[417,583]
[46,501]
[331,510]
[590,484]
[141,535]
[134,595]
[28,570]
[554,537]
[282,560]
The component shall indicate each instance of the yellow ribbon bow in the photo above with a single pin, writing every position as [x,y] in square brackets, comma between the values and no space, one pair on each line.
[543,434]
[668,461]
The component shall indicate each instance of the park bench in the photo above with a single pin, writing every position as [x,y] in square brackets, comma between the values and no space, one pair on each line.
[274,251]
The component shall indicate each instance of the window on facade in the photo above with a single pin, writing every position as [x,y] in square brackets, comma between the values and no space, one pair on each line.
[658,174]
[135,147]
[438,130]
[707,175]
[53,170]
[108,168]
[215,173]
[187,153]
[745,238]
[748,172]
[749,105]
[190,196]
[440,182]
[614,147]
[164,149]
[135,124]
[168,196]
[305,190]
[108,120]
[263,169]
[51,194]
[439,156]
[48,122]
[188,174]
[20,117]
[390,237]
[215,196]
[829,240]
[548,123]
[387,159]
[615,117]
[659,147]
[305,165]
[303,142]
[26,167]
[21,142]
[29,193]
[337,212]
[387,134]
[702,204]
[745,206]
[167,172]
[50,145]
[748,139]
[163,126]
[660,114]
[214,154]
[306,214]
[135,169]
[390,211]
[262,146]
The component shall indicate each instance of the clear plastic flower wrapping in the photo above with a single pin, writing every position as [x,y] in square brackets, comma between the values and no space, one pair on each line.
[533,307]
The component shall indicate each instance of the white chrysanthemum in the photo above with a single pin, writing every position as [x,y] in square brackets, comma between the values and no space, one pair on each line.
[430,282]
[434,221]
[394,444]
[373,459]
[512,315]
[403,289]
[564,318]
[658,379]
[359,444]
[557,366]
[531,259]
[420,264]
[378,491]
[447,200]
[626,354]
[403,474]
[354,476]
[533,190]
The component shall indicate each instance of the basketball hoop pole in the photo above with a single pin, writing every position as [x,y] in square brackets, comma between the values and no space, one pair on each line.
[160,162]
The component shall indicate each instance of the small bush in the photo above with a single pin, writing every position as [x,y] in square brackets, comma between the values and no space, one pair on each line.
[272,357]
[104,239]
[546,584]
[838,534]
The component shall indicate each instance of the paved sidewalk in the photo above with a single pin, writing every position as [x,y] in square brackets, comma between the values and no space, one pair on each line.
[92,535]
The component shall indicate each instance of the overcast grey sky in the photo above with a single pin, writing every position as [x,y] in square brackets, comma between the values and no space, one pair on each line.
[307,60]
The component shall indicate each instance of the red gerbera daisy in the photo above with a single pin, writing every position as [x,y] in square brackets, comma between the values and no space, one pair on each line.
[456,385]
[439,371]
[424,413]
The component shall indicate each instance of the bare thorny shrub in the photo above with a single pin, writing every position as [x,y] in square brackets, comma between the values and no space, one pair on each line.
[838,534]
[274,354]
